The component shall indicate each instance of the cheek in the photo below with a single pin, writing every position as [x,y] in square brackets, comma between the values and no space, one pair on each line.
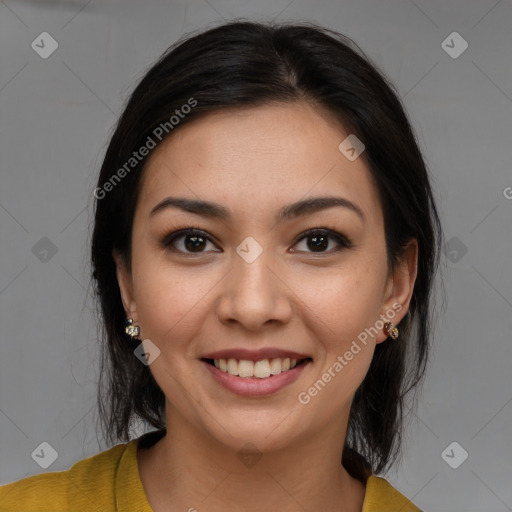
[168,310]
[335,386]
[344,325]
[346,302]
[168,300]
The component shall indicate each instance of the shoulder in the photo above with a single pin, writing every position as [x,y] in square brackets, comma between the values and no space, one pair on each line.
[381,496]
[88,484]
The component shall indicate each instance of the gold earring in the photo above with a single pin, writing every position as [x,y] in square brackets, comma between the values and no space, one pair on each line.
[390,330]
[132,330]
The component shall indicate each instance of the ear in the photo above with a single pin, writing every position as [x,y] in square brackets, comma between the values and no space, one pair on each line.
[124,280]
[399,288]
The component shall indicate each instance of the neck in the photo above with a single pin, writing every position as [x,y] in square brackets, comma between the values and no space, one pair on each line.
[187,470]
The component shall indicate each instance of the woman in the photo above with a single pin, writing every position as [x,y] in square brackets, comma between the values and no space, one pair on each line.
[264,250]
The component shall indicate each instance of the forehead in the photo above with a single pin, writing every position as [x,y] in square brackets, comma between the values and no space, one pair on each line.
[255,160]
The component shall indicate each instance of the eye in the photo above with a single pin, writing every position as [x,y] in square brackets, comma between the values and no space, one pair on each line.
[195,241]
[319,240]
[191,241]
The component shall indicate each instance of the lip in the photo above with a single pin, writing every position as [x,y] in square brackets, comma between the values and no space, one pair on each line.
[252,386]
[255,355]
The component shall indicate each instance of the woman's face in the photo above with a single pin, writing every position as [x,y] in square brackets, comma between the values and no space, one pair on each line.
[252,285]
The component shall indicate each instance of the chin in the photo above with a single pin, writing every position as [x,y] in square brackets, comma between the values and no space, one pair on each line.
[261,432]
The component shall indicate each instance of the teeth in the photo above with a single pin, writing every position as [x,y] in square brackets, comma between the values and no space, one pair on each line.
[245,368]
[275,366]
[262,369]
[232,366]
[259,369]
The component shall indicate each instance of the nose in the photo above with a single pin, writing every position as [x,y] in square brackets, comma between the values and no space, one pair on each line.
[255,295]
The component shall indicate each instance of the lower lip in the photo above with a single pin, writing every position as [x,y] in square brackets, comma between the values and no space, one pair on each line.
[252,386]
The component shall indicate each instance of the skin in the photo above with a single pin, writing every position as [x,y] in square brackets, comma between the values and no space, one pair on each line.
[255,161]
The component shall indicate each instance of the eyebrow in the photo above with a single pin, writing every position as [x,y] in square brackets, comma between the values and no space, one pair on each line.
[291,211]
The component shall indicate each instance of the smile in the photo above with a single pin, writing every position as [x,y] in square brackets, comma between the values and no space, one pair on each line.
[261,369]
[255,378]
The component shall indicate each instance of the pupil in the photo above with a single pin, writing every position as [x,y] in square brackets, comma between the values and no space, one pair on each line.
[319,241]
[194,242]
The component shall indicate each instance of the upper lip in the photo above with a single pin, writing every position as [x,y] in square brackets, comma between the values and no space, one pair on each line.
[254,355]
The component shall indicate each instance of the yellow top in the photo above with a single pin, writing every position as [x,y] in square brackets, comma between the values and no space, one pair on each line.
[109,482]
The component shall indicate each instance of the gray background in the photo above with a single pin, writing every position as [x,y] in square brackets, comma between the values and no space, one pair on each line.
[55,118]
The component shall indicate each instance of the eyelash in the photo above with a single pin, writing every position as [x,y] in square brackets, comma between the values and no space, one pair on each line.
[343,241]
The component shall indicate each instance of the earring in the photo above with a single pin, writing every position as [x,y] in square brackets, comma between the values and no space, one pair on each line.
[390,330]
[132,330]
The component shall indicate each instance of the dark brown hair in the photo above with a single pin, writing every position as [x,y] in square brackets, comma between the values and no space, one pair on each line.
[245,64]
